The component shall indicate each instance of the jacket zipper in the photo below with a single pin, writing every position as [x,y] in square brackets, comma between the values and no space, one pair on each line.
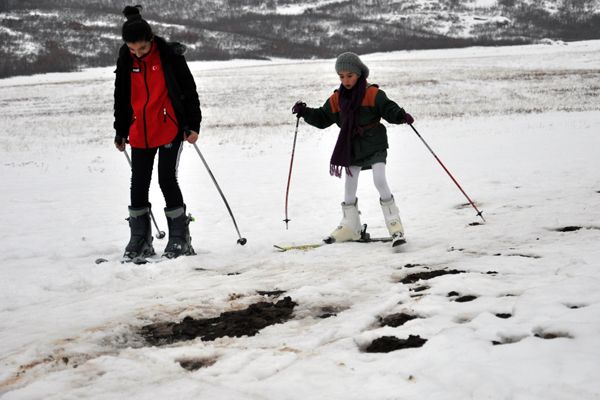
[167,115]
[146,103]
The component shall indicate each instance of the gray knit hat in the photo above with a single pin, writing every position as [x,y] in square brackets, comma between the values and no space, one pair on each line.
[351,62]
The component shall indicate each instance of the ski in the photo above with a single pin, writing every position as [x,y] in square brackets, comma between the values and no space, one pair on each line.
[283,248]
[310,246]
[135,260]
[148,259]
[365,237]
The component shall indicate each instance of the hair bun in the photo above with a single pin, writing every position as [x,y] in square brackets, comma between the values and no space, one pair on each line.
[132,12]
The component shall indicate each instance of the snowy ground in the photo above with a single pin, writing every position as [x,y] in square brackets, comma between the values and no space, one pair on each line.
[517,126]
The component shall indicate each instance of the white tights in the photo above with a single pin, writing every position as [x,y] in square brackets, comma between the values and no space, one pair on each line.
[351,184]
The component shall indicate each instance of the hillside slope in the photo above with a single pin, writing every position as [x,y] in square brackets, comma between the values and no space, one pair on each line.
[64,35]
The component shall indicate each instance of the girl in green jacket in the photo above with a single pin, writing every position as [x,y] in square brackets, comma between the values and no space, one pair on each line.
[357,108]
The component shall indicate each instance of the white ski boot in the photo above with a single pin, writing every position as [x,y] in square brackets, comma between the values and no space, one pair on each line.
[349,227]
[391,214]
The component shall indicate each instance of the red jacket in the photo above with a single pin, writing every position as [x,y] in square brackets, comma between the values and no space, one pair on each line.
[153,121]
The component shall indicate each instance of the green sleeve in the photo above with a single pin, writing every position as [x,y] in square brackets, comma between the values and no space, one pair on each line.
[388,109]
[321,117]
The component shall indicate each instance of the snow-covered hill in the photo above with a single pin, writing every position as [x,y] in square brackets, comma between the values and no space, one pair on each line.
[62,35]
[513,313]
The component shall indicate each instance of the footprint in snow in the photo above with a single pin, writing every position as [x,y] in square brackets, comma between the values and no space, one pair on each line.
[549,334]
[575,306]
[462,319]
[508,340]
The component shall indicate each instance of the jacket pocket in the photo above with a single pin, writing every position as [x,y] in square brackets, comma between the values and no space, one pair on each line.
[168,118]
[373,140]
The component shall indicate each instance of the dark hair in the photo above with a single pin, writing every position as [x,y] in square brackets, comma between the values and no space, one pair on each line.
[135,29]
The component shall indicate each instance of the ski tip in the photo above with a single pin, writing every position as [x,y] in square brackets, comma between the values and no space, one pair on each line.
[100,260]
[298,247]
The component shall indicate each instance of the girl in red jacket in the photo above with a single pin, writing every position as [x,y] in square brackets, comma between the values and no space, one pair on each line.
[156,109]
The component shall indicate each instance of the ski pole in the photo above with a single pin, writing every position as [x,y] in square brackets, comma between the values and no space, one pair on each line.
[160,234]
[479,213]
[241,240]
[287,190]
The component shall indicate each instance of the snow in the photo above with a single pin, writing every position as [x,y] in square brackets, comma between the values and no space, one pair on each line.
[297,9]
[518,128]
[9,31]
[37,13]
[98,23]
[167,25]
[484,3]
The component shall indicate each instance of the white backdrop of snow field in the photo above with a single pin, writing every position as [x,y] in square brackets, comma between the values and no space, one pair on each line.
[517,126]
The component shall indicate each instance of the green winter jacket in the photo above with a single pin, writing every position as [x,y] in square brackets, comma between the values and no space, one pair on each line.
[370,145]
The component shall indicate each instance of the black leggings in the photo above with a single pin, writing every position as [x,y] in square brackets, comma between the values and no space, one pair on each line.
[142,161]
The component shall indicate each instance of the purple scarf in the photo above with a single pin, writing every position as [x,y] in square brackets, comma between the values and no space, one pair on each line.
[350,101]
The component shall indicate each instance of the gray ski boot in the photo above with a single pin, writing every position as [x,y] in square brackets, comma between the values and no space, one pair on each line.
[180,241]
[140,242]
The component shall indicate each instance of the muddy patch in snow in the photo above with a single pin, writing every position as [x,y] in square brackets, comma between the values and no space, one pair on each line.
[247,322]
[386,344]
[575,306]
[329,311]
[419,288]
[570,228]
[426,275]
[395,320]
[575,228]
[194,364]
[410,265]
[270,293]
[466,298]
[461,298]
